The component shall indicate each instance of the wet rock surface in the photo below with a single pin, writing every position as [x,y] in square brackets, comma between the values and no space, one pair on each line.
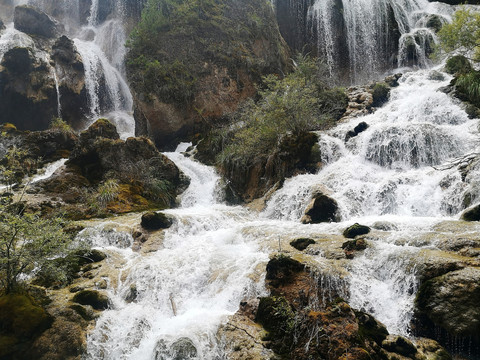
[35,22]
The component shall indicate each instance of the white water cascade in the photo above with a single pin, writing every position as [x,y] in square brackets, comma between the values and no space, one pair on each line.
[387,174]
[101,45]
[373,36]
[188,286]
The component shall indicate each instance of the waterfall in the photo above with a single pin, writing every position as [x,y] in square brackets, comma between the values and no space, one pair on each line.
[100,40]
[186,288]
[389,173]
[366,38]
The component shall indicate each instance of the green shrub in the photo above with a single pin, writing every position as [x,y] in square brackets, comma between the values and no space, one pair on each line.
[468,85]
[60,124]
[107,192]
[458,64]
[298,103]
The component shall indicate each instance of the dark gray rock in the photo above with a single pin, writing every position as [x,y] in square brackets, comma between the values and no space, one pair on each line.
[156,221]
[35,22]
[322,208]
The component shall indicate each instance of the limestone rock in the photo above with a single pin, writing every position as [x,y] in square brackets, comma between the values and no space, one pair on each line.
[302,243]
[70,72]
[35,22]
[28,97]
[451,302]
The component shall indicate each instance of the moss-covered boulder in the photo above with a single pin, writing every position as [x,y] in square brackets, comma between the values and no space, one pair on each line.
[95,299]
[191,64]
[355,230]
[458,64]
[21,321]
[380,93]
[276,316]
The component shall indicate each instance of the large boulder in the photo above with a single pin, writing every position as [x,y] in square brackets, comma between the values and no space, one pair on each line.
[322,208]
[28,97]
[450,302]
[70,72]
[156,221]
[35,22]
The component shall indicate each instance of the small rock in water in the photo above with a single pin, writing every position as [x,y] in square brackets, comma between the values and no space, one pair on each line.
[355,230]
[302,243]
[321,209]
[156,221]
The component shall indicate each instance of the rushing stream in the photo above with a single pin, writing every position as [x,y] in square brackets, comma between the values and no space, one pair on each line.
[205,262]
[169,301]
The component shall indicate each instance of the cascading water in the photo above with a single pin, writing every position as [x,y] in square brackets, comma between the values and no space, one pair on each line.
[101,45]
[185,288]
[388,173]
[369,37]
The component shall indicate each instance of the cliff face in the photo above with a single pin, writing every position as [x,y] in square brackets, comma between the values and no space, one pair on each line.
[191,65]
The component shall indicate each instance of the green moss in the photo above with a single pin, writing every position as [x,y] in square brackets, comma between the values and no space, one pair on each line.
[176,40]
[380,93]
[7,345]
[458,64]
[21,317]
[276,316]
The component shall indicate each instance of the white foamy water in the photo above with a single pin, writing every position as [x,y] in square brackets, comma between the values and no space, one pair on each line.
[389,173]
[189,286]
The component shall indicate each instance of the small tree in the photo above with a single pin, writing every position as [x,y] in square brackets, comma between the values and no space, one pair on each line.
[27,243]
[462,34]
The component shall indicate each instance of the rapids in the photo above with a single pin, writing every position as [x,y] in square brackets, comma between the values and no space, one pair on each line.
[208,261]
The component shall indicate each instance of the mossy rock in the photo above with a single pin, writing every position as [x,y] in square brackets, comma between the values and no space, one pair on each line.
[355,230]
[399,345]
[458,64]
[156,221]
[95,299]
[380,93]
[21,318]
[435,22]
[86,312]
[370,328]
[302,243]
[276,316]
[354,245]
[281,269]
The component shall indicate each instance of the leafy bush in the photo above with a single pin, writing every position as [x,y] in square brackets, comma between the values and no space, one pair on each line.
[462,34]
[28,242]
[60,124]
[296,104]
